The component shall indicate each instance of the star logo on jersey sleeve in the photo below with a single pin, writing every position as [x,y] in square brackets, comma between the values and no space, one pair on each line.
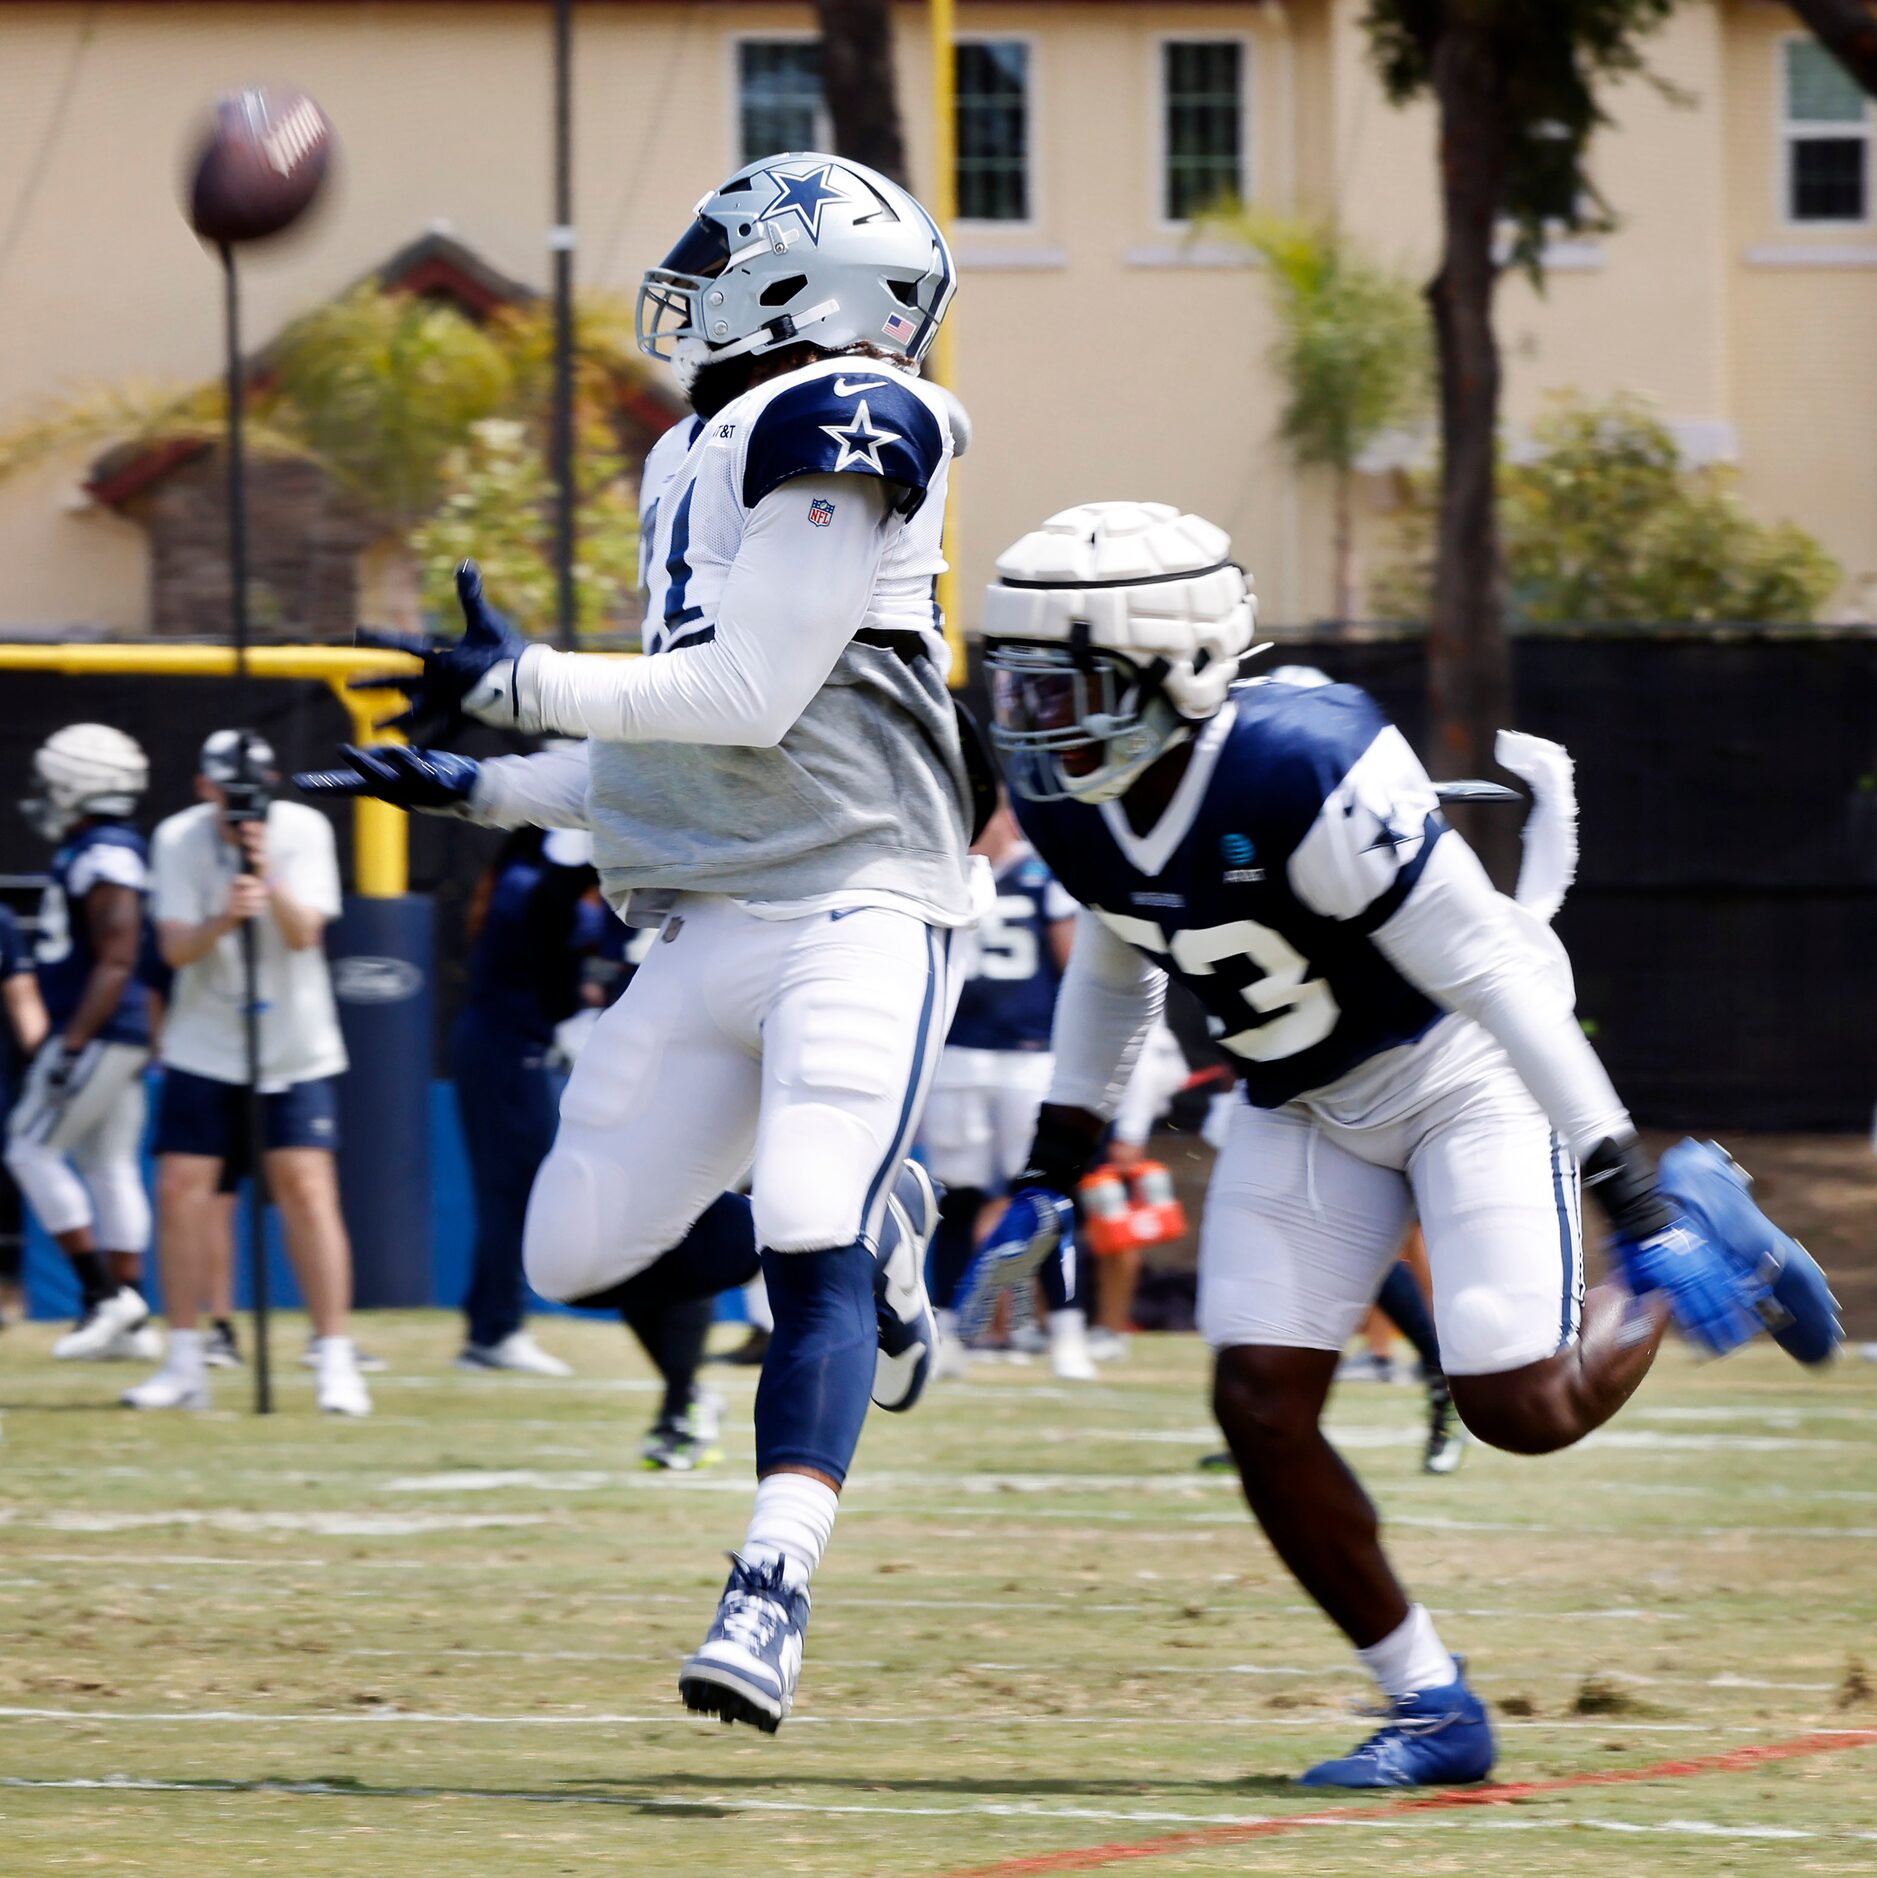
[804,196]
[861,440]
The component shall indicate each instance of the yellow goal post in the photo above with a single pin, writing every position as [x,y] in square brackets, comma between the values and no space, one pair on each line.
[380,833]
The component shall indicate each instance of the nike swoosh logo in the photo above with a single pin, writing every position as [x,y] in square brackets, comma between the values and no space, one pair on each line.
[850,387]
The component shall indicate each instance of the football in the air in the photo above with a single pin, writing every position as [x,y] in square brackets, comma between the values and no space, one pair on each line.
[260,165]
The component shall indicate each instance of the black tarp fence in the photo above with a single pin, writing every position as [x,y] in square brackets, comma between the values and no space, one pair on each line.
[1723,926]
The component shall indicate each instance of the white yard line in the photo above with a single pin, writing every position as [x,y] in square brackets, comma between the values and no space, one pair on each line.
[1479,1819]
[400,1718]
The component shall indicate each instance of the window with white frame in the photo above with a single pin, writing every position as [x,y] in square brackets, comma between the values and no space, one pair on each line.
[1202,86]
[1827,138]
[993,127]
[778,97]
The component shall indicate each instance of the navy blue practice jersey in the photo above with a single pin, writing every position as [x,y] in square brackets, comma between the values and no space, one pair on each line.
[1302,823]
[539,926]
[102,854]
[1009,1001]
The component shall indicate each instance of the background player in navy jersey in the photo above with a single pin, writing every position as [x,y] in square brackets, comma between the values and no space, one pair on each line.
[1406,1037]
[74,1135]
[995,1068]
[22,1031]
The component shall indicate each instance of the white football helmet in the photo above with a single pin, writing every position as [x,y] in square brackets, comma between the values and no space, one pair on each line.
[84,769]
[1112,630]
[798,248]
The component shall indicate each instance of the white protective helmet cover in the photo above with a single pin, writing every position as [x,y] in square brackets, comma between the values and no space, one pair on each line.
[1144,609]
[85,769]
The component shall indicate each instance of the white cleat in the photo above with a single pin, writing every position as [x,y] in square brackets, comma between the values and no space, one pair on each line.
[169,1389]
[953,1356]
[339,1388]
[367,1363]
[908,1328]
[142,1345]
[1108,1346]
[96,1335]
[518,1353]
[1068,1346]
[746,1668]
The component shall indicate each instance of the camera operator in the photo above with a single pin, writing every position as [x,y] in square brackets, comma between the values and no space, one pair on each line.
[240,857]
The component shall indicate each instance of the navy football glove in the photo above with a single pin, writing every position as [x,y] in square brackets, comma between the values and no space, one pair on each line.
[473,676]
[408,778]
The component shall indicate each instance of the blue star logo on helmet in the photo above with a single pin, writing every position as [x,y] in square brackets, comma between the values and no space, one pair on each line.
[1237,849]
[805,195]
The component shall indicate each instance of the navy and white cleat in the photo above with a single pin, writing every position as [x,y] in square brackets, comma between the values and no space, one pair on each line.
[1792,1298]
[745,1669]
[1434,1738]
[909,1332]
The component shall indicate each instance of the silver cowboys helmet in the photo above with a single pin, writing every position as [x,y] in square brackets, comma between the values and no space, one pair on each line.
[1112,629]
[799,248]
[84,769]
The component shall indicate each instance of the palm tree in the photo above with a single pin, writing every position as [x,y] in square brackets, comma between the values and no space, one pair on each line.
[386,392]
[1352,352]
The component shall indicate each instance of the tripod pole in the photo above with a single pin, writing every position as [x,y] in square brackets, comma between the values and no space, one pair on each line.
[253,1125]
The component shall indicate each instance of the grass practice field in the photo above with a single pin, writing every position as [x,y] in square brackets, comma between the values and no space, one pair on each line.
[446,1640]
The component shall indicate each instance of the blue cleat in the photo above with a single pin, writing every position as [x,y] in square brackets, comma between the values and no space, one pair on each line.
[745,1669]
[909,1334]
[1435,1738]
[1790,1296]
[1037,1225]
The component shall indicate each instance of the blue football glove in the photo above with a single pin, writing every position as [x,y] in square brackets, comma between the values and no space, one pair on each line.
[431,780]
[473,676]
[1790,1296]
[1713,1300]
[1037,1224]
[1658,1247]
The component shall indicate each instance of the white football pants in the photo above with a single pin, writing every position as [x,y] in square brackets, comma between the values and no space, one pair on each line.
[76,1160]
[798,1051]
[1308,1204]
[980,1120]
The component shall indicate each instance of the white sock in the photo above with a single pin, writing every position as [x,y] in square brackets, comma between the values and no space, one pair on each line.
[793,1519]
[1411,1657]
[333,1349]
[183,1353]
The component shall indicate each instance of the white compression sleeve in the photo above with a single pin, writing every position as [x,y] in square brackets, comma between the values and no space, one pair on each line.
[546,790]
[796,594]
[1470,949]
[1108,1001]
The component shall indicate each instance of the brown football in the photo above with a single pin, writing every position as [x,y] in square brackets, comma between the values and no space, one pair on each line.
[260,166]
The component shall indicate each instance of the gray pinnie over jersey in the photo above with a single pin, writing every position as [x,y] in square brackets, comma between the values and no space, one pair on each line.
[867,792]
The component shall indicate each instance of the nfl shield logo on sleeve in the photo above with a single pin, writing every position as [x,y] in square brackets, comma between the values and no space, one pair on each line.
[820,512]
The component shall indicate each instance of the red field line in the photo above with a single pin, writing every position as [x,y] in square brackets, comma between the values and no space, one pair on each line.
[1087,1858]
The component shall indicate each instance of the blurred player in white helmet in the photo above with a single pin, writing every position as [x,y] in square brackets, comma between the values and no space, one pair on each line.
[1405,1036]
[74,1135]
[780,787]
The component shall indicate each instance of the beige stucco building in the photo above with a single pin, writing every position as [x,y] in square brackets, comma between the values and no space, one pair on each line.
[1102,350]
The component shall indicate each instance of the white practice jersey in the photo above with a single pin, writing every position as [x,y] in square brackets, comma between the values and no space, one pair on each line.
[863,801]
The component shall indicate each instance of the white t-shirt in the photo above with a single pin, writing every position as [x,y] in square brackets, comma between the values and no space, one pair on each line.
[192,868]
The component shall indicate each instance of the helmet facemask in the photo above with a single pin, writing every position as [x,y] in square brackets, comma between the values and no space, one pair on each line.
[1077,723]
